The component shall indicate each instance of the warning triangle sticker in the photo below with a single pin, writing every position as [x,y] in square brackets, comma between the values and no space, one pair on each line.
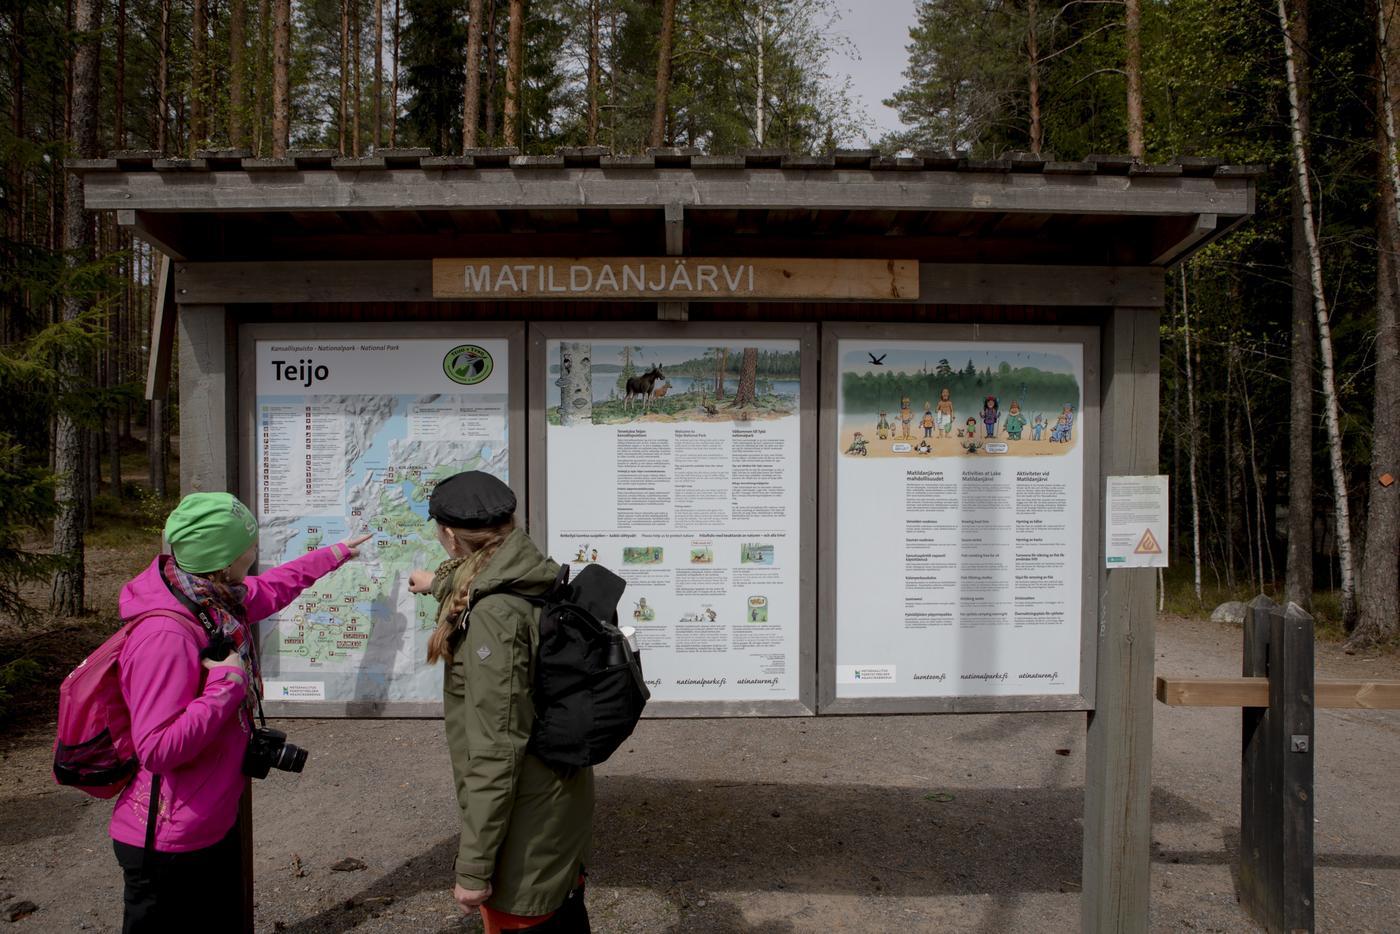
[1147,545]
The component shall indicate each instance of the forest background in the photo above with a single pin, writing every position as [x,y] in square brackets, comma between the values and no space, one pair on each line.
[1280,378]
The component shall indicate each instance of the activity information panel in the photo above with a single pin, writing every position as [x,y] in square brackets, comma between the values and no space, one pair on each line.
[677,463]
[351,436]
[959,518]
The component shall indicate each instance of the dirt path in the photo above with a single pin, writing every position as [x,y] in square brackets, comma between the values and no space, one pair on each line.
[956,823]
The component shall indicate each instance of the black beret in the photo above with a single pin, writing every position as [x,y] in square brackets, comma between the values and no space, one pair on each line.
[471,500]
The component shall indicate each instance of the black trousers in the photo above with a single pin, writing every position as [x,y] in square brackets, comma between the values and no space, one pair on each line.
[201,890]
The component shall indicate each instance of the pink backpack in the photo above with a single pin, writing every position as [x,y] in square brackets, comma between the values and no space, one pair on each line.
[94,751]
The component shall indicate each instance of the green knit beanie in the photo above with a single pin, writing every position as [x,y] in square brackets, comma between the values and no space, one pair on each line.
[208,531]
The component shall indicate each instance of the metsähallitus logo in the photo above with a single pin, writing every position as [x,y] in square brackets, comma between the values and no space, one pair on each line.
[467,364]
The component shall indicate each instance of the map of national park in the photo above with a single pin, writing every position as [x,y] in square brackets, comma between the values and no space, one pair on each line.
[335,466]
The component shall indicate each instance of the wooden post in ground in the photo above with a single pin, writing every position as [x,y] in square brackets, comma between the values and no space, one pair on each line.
[1118,766]
[1276,771]
[209,462]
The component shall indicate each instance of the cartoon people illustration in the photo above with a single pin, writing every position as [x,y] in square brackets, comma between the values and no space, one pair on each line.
[642,611]
[945,413]
[990,415]
[971,430]
[858,445]
[923,447]
[1060,433]
[582,553]
[926,423]
[882,428]
[1068,416]
[593,555]
[1015,422]
[906,416]
[1037,427]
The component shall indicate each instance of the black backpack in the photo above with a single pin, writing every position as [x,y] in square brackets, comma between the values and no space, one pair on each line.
[588,689]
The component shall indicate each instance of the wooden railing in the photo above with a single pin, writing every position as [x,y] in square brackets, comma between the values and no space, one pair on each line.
[1277,695]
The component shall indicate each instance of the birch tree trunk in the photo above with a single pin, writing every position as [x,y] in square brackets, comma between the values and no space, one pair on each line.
[1133,67]
[575,383]
[595,40]
[1346,569]
[760,88]
[1192,432]
[514,66]
[71,461]
[281,76]
[1298,572]
[471,104]
[237,51]
[1379,617]
[663,74]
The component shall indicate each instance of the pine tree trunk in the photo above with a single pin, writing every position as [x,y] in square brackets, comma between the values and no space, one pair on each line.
[515,60]
[119,81]
[344,73]
[594,55]
[378,72]
[199,70]
[1033,62]
[1192,432]
[748,378]
[1133,68]
[1331,406]
[356,96]
[492,60]
[237,70]
[70,440]
[471,105]
[721,358]
[281,77]
[162,135]
[394,83]
[1298,572]
[663,73]
[262,110]
[1379,618]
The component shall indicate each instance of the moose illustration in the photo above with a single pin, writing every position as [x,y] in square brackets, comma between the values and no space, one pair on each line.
[640,387]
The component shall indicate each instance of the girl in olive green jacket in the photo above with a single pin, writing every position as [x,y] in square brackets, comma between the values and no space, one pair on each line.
[526,829]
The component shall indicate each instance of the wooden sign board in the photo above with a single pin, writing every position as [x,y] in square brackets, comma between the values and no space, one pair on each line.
[677,278]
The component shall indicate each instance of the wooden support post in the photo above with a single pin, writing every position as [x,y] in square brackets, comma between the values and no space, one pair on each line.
[1276,771]
[1118,766]
[209,462]
[675,246]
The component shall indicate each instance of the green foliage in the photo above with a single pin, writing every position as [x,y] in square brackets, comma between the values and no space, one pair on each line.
[1037,391]
[15,676]
[434,53]
[26,502]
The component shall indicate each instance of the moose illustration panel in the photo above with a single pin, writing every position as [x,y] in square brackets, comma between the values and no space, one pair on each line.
[677,463]
[959,518]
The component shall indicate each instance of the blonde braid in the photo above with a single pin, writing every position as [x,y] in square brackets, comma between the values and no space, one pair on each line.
[481,545]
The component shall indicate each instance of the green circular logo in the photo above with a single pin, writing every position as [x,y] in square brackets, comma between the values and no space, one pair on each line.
[467,364]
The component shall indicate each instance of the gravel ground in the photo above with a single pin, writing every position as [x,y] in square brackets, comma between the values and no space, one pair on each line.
[947,823]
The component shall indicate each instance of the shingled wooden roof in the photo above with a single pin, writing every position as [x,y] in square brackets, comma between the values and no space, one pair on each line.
[409,204]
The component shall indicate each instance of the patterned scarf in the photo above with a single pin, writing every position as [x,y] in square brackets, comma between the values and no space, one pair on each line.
[225,607]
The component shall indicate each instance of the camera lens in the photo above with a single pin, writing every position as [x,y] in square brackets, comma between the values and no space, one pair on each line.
[291,758]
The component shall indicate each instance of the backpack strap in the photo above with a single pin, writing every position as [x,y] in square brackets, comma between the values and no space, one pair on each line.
[151,814]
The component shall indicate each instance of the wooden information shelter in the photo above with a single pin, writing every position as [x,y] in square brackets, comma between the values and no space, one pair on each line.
[826,247]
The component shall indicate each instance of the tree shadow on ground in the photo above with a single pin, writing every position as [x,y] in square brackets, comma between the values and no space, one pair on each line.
[688,840]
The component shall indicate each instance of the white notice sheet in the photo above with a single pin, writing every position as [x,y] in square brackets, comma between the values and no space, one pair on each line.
[677,464]
[959,501]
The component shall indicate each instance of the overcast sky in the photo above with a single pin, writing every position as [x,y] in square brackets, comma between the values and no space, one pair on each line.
[879,30]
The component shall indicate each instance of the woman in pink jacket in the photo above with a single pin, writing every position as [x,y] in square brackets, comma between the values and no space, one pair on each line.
[192,705]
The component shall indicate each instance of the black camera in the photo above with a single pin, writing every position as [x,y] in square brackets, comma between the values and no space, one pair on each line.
[269,749]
